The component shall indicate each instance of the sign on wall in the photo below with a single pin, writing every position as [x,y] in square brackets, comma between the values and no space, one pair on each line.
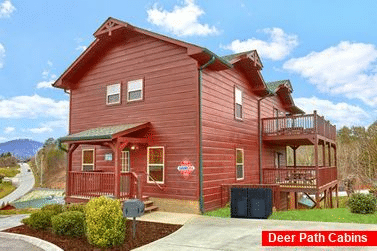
[185,168]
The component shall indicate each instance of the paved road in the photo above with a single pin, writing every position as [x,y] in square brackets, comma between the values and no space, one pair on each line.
[26,183]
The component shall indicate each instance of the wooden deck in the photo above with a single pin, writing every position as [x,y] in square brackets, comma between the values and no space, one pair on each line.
[304,178]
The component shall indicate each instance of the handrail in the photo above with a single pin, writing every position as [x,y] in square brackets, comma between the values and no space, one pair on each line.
[299,124]
[155,182]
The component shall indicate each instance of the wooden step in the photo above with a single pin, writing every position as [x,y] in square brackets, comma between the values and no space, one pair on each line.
[144,198]
[150,209]
[148,203]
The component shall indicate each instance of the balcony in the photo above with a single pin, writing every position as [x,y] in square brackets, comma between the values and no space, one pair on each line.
[298,129]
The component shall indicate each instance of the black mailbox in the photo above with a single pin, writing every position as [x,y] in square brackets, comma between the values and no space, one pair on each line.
[254,203]
[133,208]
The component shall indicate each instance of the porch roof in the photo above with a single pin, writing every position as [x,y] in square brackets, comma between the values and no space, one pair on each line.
[107,132]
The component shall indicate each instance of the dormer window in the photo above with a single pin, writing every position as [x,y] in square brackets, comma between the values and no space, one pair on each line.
[113,94]
[135,90]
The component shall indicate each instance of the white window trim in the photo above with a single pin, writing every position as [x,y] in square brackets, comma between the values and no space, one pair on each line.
[163,165]
[82,158]
[243,163]
[141,89]
[121,158]
[108,94]
[240,103]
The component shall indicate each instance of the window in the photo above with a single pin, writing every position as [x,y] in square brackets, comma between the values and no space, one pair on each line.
[239,164]
[238,103]
[135,90]
[156,164]
[125,158]
[87,160]
[113,94]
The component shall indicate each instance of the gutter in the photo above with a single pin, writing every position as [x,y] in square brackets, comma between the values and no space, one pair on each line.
[201,199]
[270,94]
[60,145]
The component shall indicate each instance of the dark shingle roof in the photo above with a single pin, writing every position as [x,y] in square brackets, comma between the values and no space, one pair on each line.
[231,56]
[99,132]
[273,86]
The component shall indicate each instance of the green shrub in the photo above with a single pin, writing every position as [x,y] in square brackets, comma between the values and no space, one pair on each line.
[56,208]
[75,207]
[69,223]
[105,224]
[362,203]
[40,219]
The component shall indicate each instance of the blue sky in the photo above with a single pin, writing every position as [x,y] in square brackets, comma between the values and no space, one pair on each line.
[326,48]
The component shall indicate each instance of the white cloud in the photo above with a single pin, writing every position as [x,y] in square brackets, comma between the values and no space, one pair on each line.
[279,45]
[6,8]
[9,129]
[2,55]
[45,84]
[347,69]
[340,114]
[40,129]
[182,20]
[3,139]
[49,78]
[33,107]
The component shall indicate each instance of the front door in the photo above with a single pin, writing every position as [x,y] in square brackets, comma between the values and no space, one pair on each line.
[125,158]
[125,179]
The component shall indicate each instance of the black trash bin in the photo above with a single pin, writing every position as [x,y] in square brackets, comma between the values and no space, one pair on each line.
[252,203]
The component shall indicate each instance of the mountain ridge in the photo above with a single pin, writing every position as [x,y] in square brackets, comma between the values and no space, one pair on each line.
[21,148]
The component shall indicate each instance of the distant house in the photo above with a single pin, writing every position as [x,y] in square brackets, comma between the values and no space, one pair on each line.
[169,121]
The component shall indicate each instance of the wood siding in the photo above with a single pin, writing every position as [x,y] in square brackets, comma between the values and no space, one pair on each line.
[222,133]
[170,103]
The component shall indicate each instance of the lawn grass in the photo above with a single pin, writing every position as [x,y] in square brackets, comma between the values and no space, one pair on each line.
[6,188]
[341,214]
[19,211]
[10,172]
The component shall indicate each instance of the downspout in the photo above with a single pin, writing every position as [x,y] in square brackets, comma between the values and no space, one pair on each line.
[201,199]
[260,135]
[58,141]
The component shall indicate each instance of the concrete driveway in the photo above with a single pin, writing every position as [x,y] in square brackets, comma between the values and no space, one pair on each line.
[212,233]
[26,183]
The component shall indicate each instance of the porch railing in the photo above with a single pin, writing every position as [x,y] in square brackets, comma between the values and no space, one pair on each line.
[95,184]
[298,124]
[303,176]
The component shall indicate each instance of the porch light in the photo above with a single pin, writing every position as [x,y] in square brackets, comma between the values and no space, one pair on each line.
[134,147]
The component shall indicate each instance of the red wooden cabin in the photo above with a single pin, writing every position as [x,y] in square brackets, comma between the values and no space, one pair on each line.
[143,104]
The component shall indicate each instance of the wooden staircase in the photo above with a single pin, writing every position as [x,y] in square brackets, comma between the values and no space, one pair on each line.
[149,207]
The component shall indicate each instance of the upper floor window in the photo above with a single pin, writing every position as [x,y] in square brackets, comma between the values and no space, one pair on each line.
[113,94]
[135,90]
[238,103]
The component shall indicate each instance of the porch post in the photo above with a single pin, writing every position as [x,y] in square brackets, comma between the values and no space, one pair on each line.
[117,170]
[324,153]
[329,154]
[69,183]
[316,161]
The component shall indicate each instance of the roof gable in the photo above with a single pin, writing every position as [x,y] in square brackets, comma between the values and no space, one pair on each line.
[114,30]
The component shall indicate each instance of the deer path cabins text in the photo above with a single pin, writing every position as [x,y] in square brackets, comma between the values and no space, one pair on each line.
[141,104]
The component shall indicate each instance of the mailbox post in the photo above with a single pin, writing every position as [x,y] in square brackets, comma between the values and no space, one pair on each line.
[133,208]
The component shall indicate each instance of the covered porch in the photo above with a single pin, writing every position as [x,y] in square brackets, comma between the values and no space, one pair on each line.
[93,180]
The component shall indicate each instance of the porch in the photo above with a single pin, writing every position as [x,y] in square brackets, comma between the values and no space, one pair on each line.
[88,179]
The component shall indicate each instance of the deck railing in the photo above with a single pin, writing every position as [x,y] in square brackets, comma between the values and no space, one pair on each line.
[298,124]
[303,176]
[95,184]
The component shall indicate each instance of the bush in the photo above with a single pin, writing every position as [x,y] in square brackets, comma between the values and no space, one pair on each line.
[75,207]
[69,223]
[56,208]
[362,203]
[105,224]
[40,219]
